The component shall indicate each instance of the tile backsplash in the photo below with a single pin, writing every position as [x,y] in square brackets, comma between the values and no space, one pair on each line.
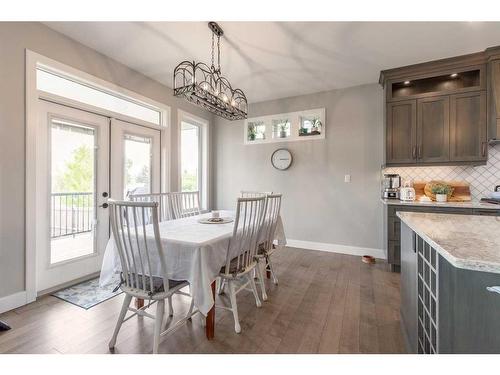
[482,179]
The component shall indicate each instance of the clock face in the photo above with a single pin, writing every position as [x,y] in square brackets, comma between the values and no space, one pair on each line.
[281,159]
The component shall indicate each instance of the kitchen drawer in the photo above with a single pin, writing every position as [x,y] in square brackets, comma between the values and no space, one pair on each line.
[391,211]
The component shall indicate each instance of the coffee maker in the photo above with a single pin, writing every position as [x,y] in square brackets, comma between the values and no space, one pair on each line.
[390,186]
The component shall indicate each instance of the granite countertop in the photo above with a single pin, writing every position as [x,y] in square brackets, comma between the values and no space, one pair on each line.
[466,241]
[481,205]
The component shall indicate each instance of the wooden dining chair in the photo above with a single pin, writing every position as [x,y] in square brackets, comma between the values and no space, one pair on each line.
[242,251]
[138,244]
[163,200]
[253,194]
[266,239]
[185,204]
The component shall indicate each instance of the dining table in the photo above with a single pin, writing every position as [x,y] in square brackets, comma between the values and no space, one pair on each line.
[193,251]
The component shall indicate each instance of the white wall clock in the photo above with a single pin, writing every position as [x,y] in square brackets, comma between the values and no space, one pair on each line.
[281,159]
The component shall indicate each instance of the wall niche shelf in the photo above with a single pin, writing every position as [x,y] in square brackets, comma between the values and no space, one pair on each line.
[285,127]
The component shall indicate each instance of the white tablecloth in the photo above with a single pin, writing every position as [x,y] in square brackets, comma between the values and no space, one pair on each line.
[194,252]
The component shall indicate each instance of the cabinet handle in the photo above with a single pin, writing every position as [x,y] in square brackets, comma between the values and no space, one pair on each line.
[420,152]
[483,149]
[414,152]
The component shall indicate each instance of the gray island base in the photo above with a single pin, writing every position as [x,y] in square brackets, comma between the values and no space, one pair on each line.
[447,264]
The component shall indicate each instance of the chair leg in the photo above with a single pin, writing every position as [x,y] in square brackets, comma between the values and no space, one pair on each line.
[273,274]
[191,307]
[170,307]
[160,309]
[123,312]
[221,285]
[254,290]
[234,305]
[260,275]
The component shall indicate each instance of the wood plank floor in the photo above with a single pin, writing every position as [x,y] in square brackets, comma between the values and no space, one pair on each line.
[324,303]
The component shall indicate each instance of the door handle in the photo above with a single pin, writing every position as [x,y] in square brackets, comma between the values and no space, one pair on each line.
[419,152]
[414,152]
[483,149]
[104,205]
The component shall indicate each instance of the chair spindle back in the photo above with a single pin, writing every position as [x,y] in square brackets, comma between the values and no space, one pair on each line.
[137,242]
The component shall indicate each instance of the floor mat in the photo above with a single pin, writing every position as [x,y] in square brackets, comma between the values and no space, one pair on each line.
[89,293]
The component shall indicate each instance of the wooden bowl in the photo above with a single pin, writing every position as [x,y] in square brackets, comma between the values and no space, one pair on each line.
[368,259]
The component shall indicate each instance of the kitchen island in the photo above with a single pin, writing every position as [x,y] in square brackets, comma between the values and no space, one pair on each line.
[447,263]
[392,223]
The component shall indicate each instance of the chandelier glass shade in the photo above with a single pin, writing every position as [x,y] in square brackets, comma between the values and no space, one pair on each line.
[206,87]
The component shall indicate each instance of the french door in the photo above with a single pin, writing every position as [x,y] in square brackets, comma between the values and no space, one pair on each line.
[83,159]
[72,186]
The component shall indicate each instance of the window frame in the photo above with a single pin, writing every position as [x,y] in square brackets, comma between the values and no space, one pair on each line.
[294,118]
[203,155]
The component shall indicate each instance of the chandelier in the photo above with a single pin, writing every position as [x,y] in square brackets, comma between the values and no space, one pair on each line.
[207,88]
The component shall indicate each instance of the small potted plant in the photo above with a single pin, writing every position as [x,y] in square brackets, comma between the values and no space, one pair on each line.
[441,191]
[282,128]
[316,126]
[252,132]
[302,131]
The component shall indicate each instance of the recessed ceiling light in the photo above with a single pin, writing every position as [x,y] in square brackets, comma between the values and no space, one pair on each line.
[407,82]
[454,75]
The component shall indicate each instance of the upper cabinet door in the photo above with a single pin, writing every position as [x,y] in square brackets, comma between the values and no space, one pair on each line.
[468,128]
[401,132]
[433,129]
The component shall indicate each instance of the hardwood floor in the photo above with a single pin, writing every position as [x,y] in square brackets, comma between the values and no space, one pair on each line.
[325,303]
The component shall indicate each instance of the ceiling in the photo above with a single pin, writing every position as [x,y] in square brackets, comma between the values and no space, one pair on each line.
[270,60]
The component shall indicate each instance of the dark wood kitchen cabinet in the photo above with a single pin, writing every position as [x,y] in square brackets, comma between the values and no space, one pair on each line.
[468,127]
[401,131]
[433,129]
[436,112]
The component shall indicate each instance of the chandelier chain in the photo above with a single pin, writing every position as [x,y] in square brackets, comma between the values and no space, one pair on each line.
[213,43]
[218,52]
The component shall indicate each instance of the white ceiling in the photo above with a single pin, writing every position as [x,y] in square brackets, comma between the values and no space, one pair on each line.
[270,60]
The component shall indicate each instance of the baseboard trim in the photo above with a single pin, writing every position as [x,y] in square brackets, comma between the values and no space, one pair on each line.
[335,248]
[12,301]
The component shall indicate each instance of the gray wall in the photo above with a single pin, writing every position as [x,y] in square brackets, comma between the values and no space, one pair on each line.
[317,205]
[14,39]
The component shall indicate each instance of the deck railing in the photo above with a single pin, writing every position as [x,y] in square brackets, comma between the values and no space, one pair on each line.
[72,213]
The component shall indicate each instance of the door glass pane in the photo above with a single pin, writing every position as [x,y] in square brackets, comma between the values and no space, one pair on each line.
[190,157]
[137,165]
[72,193]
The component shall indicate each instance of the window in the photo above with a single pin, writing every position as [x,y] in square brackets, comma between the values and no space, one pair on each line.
[84,93]
[137,173]
[281,128]
[190,157]
[286,127]
[256,131]
[310,125]
[193,155]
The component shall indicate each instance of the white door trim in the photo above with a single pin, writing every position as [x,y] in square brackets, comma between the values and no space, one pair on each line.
[33,60]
